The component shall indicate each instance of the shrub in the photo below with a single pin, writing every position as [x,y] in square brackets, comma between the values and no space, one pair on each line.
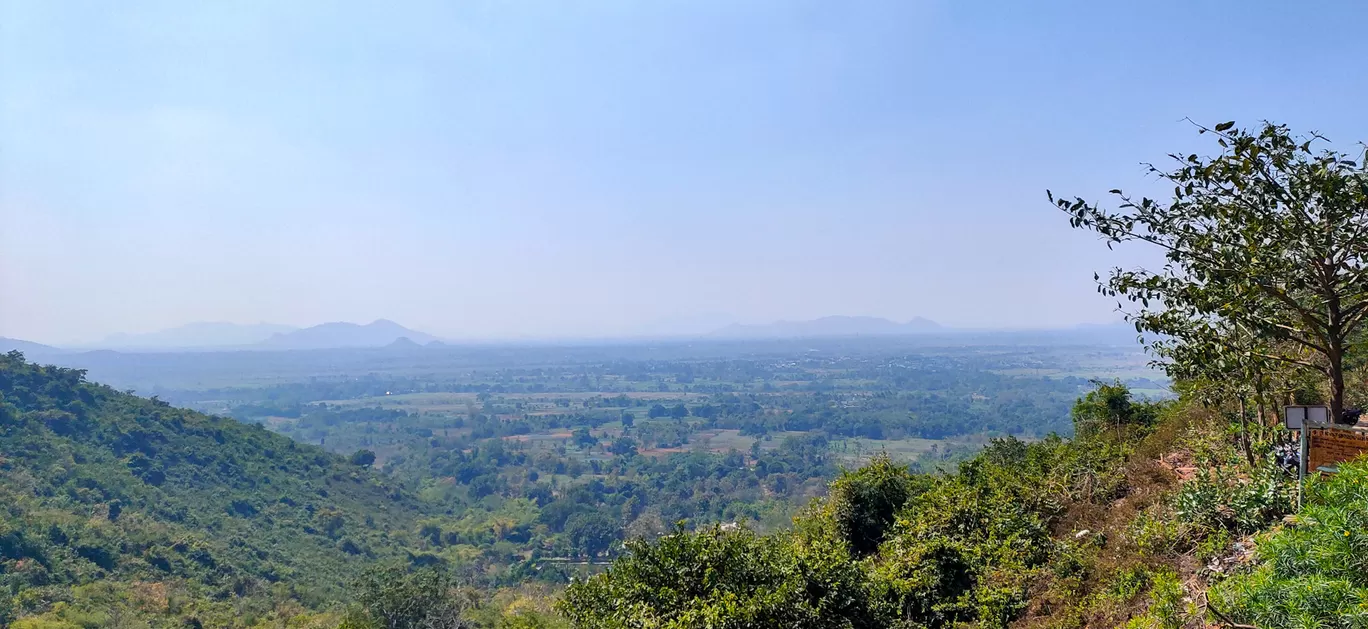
[1167,609]
[1313,573]
[716,578]
[864,502]
[395,597]
[362,458]
[1216,499]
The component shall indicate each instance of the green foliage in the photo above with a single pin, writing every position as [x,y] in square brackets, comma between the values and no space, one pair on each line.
[591,533]
[947,549]
[964,550]
[1155,533]
[254,529]
[398,597]
[1109,406]
[1167,609]
[716,578]
[1314,572]
[1216,499]
[363,458]
[1266,256]
[864,502]
[104,487]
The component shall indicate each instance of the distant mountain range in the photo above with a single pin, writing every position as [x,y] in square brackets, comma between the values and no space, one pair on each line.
[199,335]
[829,326]
[378,333]
[389,335]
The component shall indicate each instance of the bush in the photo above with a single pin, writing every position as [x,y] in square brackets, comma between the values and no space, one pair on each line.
[1218,500]
[716,578]
[1167,609]
[363,458]
[1313,573]
[865,501]
[395,597]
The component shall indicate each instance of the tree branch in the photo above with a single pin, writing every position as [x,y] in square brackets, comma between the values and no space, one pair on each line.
[1206,602]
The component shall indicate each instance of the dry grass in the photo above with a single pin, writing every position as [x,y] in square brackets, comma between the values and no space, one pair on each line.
[1090,596]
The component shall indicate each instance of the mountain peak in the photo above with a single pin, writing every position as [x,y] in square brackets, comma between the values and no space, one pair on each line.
[337,334]
[403,342]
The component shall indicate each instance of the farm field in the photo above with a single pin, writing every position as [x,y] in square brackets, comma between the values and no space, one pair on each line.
[585,407]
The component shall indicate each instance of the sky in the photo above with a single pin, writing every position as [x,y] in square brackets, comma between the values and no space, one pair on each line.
[604,168]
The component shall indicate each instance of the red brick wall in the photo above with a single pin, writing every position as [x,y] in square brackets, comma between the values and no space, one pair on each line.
[1329,446]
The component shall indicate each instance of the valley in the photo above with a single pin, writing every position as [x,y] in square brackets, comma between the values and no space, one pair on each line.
[512,466]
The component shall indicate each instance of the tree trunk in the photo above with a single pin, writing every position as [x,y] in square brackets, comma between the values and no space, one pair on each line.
[1336,373]
[1244,433]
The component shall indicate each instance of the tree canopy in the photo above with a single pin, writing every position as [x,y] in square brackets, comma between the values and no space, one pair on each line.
[1266,250]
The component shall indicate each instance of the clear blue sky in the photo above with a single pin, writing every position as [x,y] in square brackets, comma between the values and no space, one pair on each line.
[599,168]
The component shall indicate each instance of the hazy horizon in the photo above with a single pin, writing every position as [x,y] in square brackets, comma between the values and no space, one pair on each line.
[493,171]
[661,330]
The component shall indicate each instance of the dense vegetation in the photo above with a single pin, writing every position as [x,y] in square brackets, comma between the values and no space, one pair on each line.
[1314,571]
[104,490]
[886,548]
[123,509]
[537,472]
[1091,531]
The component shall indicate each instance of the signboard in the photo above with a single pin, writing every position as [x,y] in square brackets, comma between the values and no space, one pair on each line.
[1331,446]
[1294,417]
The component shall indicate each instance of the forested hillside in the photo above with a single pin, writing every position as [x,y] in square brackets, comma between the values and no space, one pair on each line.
[132,502]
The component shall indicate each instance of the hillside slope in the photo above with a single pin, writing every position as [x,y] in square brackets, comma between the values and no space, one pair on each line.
[1150,518]
[104,486]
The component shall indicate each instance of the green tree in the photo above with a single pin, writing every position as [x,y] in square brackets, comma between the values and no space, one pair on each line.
[363,458]
[717,578]
[583,438]
[864,503]
[396,597]
[1109,406]
[1268,239]
[591,533]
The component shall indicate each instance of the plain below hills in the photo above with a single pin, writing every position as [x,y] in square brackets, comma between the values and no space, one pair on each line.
[830,326]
